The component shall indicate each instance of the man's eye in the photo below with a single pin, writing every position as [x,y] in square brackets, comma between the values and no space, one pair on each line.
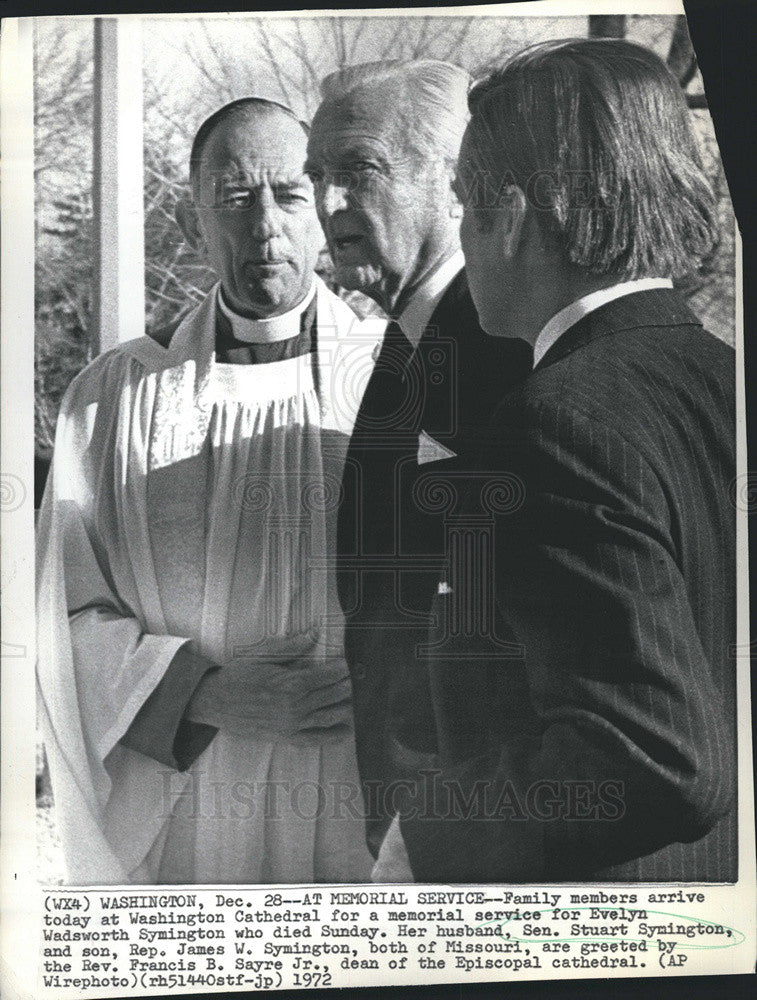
[292,196]
[364,166]
[315,176]
[237,199]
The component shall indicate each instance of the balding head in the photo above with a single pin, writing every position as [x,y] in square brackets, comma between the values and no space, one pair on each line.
[236,114]
[252,215]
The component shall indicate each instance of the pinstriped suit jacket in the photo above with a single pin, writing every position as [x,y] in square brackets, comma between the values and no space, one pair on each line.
[608,751]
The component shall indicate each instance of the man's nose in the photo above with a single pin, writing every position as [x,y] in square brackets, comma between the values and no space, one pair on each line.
[333,195]
[265,216]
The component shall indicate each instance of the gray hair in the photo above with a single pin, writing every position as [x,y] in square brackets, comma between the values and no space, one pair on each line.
[431,98]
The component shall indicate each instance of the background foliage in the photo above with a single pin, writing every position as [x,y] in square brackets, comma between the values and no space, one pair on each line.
[191,67]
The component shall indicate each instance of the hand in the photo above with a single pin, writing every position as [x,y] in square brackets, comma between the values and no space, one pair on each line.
[393,863]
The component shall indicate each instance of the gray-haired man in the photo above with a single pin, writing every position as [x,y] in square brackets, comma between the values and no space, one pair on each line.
[381,156]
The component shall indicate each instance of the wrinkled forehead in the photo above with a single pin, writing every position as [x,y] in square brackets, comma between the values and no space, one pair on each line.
[255,145]
[377,112]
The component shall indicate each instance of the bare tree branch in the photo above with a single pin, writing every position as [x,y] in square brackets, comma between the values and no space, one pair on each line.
[262,34]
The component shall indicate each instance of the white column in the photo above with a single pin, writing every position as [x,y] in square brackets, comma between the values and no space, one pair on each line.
[19,937]
[118,312]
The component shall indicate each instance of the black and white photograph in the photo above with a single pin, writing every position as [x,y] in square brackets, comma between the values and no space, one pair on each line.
[389,489]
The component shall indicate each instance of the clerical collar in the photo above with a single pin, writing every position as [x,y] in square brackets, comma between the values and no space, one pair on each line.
[419,310]
[269,329]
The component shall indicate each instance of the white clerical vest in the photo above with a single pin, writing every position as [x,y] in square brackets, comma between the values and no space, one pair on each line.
[190,499]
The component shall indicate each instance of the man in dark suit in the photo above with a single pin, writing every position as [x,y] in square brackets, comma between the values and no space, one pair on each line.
[381,156]
[608,752]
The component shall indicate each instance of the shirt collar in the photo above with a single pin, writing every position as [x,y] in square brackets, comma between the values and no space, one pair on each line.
[562,321]
[269,329]
[419,310]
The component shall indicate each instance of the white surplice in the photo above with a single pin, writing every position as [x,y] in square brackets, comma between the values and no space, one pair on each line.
[190,499]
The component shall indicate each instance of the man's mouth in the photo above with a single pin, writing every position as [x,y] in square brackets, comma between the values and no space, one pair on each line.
[262,266]
[340,242]
[350,246]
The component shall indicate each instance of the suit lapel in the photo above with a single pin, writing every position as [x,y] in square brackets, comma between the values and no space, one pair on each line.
[437,358]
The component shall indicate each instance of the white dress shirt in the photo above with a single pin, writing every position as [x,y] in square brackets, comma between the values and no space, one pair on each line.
[570,315]
[419,310]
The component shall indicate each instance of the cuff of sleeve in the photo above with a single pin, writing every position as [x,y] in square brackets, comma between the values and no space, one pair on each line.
[159,730]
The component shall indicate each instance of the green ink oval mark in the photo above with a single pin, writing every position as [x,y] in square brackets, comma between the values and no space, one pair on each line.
[734,937]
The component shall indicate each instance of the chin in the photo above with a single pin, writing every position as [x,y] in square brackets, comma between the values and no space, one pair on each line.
[271,297]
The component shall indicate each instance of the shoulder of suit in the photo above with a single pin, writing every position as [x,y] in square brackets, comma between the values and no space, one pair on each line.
[677,350]
[456,304]
[623,380]
[490,360]
[458,289]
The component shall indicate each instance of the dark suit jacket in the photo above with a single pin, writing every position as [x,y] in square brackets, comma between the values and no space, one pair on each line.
[608,750]
[392,524]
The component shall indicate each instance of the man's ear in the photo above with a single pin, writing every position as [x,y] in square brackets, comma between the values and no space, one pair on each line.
[450,179]
[189,224]
[455,205]
[512,212]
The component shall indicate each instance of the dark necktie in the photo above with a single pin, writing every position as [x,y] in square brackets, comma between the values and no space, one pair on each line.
[383,428]
[389,394]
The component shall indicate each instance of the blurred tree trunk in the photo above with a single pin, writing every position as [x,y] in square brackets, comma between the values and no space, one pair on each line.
[607,26]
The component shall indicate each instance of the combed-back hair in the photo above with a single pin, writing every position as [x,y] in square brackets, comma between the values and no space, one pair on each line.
[598,135]
[261,104]
[430,98]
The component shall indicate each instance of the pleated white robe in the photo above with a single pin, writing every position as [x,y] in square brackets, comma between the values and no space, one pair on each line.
[195,500]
